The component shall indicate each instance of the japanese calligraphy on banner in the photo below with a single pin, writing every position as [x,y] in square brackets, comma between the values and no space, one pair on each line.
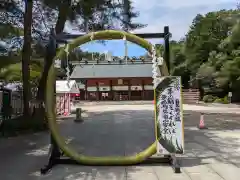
[168,113]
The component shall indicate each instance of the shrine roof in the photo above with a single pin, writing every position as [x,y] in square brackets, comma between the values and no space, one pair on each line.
[112,71]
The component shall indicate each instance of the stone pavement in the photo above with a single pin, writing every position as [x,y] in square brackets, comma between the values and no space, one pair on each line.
[201,103]
[212,154]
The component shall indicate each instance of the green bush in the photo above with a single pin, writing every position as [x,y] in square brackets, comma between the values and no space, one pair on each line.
[20,125]
[225,100]
[218,100]
[222,100]
[209,98]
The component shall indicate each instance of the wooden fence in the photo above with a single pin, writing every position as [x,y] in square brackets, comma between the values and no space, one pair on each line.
[16,102]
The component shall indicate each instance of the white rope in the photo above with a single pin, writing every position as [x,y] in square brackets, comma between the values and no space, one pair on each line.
[67,68]
[124,37]
[67,49]
[57,63]
[93,65]
[157,61]
[92,36]
[160,61]
[125,47]
[154,54]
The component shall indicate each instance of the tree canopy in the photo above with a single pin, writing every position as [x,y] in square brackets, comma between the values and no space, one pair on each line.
[209,54]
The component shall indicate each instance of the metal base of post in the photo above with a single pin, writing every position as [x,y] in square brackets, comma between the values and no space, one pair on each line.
[175,162]
[170,159]
[57,157]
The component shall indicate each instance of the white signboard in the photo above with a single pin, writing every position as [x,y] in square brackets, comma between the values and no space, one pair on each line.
[148,87]
[229,94]
[104,88]
[120,88]
[136,88]
[91,88]
[169,115]
[81,86]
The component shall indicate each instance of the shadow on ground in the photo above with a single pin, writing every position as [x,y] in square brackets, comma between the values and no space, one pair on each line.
[121,133]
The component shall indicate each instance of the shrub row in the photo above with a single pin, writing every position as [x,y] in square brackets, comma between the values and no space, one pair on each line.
[215,99]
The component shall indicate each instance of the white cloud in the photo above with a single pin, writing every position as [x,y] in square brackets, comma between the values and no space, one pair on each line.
[175,4]
[178,15]
[142,5]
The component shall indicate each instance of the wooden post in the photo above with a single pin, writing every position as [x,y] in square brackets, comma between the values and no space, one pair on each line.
[143,90]
[111,89]
[166,47]
[129,89]
[98,93]
[86,91]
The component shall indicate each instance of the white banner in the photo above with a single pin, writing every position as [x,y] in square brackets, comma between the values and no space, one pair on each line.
[169,115]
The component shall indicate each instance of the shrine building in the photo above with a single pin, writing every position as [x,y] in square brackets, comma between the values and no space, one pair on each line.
[114,81]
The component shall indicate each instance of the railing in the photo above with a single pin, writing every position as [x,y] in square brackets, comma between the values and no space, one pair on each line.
[16,104]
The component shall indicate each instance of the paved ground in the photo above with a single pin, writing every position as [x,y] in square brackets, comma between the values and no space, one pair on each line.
[201,103]
[212,154]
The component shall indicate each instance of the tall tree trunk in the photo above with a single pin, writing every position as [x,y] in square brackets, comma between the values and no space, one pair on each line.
[62,18]
[39,114]
[26,55]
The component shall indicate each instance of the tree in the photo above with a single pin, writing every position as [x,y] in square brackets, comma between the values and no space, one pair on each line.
[13,72]
[9,54]
[26,55]
[210,52]
[178,62]
[204,36]
[12,8]
[93,15]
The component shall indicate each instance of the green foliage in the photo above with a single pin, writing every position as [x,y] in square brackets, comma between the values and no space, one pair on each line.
[209,98]
[224,100]
[20,125]
[205,35]
[9,31]
[13,71]
[218,100]
[209,55]
[92,15]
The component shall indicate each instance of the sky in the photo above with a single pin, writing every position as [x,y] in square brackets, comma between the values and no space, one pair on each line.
[177,14]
